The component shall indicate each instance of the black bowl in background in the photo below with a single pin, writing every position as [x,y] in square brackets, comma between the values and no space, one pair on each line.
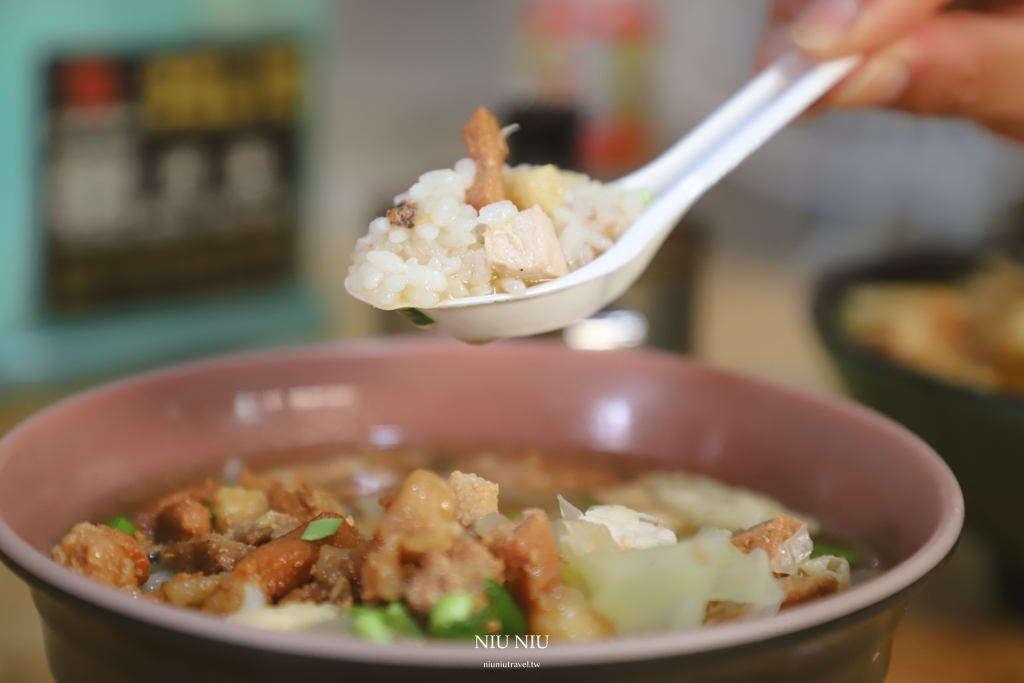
[979,434]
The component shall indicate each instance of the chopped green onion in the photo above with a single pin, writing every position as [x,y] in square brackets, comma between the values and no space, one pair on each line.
[514,515]
[504,608]
[398,619]
[121,523]
[416,316]
[647,196]
[369,624]
[213,515]
[320,529]
[453,617]
[850,554]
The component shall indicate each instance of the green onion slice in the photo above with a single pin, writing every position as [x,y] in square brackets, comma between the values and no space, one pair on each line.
[398,619]
[416,316]
[850,554]
[453,617]
[320,529]
[121,523]
[369,623]
[504,608]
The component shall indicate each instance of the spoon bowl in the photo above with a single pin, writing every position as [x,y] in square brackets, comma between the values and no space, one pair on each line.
[676,180]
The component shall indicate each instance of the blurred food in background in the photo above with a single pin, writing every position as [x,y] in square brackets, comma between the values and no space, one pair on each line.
[969,332]
[929,339]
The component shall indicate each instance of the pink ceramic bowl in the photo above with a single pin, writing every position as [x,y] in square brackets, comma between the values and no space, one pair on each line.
[855,470]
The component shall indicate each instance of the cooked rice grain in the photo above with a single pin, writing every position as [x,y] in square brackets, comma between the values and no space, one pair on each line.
[441,256]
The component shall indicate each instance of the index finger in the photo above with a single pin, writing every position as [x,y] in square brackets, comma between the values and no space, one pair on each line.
[828,29]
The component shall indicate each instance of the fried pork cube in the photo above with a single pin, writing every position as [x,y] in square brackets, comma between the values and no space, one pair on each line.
[103,554]
[533,573]
[485,144]
[784,538]
[234,595]
[464,568]
[526,247]
[532,564]
[210,554]
[312,592]
[419,519]
[279,566]
[565,614]
[263,529]
[301,502]
[474,497]
[181,521]
[333,576]
[200,492]
[800,589]
[190,590]
[234,504]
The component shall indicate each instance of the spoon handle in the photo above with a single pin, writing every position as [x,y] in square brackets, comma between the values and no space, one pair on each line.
[746,121]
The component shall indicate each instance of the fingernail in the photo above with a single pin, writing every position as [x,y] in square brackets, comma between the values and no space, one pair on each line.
[880,81]
[821,27]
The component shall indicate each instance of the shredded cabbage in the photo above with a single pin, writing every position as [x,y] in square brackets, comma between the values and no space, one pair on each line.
[691,502]
[669,587]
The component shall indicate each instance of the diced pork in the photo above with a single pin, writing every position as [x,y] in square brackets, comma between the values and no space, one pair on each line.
[564,614]
[474,497]
[210,554]
[201,492]
[800,589]
[103,554]
[465,567]
[485,144]
[784,538]
[190,590]
[265,528]
[418,520]
[533,566]
[181,521]
[234,504]
[233,595]
[336,570]
[525,247]
[301,502]
[279,566]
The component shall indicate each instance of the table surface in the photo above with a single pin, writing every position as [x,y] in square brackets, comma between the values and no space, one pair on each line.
[752,317]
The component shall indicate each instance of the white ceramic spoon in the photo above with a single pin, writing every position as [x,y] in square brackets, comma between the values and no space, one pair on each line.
[676,179]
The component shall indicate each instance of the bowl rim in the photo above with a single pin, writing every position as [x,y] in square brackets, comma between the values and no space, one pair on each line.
[36,568]
[934,265]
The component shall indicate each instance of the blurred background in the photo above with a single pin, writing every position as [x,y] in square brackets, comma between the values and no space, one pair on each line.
[187,177]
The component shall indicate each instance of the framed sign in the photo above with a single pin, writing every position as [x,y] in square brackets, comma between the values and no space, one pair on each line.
[169,172]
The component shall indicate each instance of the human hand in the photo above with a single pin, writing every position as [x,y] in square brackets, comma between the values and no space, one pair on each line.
[932,57]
